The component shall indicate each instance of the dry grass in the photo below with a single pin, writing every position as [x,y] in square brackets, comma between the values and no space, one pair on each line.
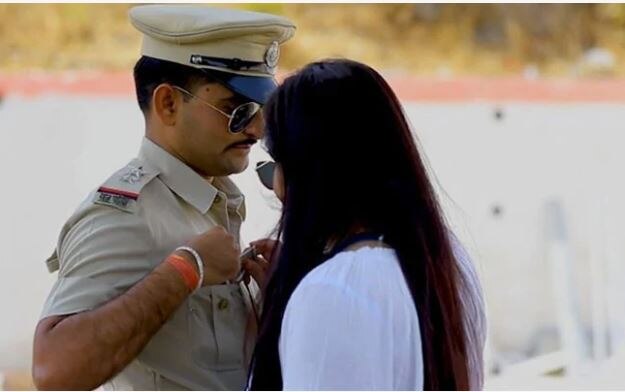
[491,39]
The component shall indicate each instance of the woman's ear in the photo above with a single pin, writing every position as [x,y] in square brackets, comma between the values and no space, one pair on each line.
[166,101]
[278,182]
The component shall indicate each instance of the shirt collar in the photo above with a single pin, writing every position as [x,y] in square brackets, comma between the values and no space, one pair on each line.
[236,200]
[185,182]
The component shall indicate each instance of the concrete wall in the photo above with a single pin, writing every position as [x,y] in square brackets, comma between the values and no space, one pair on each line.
[498,165]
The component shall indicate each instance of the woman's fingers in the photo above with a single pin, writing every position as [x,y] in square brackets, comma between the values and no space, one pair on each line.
[257,269]
[265,247]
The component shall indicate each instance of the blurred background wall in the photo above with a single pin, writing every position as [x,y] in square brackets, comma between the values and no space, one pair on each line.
[519,109]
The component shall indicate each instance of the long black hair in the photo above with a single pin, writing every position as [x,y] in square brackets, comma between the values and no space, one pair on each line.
[350,160]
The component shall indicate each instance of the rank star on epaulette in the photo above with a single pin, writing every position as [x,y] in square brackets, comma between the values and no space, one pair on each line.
[133,175]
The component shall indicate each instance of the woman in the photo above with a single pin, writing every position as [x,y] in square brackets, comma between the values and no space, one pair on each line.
[369,289]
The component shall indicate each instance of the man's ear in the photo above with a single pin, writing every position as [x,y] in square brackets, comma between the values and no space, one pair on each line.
[166,102]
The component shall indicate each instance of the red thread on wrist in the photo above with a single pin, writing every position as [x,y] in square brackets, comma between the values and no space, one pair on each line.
[189,275]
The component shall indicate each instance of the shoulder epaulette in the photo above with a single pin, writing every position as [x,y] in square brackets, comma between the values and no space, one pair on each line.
[123,188]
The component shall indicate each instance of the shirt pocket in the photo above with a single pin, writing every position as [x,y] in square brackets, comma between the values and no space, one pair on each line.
[217,320]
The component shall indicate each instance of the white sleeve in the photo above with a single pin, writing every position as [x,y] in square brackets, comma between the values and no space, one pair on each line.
[334,339]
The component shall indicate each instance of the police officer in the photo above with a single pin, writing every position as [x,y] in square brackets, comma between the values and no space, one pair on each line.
[145,297]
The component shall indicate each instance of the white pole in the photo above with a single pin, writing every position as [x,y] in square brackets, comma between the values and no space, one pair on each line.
[598,282]
[560,260]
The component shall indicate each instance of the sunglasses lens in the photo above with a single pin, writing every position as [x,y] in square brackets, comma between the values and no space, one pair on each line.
[242,116]
[265,171]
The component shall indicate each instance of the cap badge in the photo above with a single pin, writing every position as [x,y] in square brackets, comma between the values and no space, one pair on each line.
[272,55]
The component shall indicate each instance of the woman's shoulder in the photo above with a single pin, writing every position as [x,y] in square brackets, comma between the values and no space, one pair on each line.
[351,264]
[364,274]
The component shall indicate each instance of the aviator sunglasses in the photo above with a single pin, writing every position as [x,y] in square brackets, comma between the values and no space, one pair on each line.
[265,170]
[240,117]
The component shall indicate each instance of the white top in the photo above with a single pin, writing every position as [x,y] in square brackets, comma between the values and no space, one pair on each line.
[351,324]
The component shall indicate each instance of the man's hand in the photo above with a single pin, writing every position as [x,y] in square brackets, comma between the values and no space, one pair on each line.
[219,252]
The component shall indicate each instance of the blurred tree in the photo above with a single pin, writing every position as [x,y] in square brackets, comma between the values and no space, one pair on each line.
[491,39]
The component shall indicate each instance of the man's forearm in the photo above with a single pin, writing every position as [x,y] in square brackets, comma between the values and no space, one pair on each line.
[84,350]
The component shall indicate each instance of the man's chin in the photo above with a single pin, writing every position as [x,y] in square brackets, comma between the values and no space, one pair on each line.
[238,166]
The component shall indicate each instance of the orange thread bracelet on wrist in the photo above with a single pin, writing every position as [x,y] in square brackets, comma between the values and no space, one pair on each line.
[189,275]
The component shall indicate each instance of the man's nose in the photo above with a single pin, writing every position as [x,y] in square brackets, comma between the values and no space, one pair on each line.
[256,128]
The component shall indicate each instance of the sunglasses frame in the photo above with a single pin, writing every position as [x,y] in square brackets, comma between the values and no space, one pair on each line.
[230,116]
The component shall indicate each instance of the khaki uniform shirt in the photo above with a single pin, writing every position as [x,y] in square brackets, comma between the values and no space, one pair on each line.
[120,233]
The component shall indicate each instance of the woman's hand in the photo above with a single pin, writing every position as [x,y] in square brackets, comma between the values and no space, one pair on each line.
[258,267]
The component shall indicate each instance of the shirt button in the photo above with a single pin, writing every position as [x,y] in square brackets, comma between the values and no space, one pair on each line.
[222,304]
